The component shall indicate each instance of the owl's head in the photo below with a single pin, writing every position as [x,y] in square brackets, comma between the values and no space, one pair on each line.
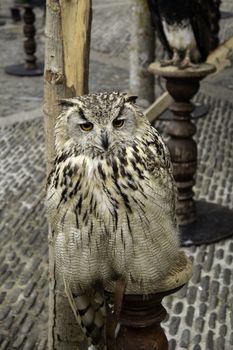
[99,122]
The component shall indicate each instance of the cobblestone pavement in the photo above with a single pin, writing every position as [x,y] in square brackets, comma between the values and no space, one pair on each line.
[201,314]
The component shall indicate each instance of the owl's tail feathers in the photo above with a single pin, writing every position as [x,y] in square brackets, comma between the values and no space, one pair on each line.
[90,319]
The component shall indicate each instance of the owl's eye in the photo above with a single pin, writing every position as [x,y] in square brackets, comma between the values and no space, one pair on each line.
[117,123]
[86,126]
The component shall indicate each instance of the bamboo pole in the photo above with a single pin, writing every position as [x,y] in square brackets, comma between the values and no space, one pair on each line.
[66,74]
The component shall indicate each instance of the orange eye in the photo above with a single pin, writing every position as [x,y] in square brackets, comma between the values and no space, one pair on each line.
[117,123]
[86,126]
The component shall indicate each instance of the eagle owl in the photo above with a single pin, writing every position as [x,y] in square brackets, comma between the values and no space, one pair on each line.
[110,201]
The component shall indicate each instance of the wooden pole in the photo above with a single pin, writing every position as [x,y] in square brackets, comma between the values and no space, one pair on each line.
[142,49]
[66,74]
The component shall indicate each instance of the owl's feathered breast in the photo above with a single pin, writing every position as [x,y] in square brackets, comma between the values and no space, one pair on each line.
[105,187]
[113,210]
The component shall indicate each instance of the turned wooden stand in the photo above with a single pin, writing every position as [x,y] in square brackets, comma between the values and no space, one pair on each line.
[138,326]
[200,222]
[31,67]
[140,320]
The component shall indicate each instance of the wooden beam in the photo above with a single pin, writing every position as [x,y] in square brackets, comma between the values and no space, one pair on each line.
[221,57]
[66,75]
[158,107]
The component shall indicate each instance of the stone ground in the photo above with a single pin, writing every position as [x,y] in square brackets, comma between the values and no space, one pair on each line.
[201,314]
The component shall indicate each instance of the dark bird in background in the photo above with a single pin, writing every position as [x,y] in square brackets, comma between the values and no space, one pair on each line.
[184,28]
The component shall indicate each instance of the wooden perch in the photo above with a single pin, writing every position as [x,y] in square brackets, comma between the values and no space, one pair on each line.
[220,58]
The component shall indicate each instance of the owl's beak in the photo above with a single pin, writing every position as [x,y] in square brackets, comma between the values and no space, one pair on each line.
[104,140]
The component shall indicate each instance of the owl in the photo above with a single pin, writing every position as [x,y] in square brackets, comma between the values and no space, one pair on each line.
[184,28]
[110,202]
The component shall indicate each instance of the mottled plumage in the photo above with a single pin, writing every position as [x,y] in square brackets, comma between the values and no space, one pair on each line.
[110,198]
[184,28]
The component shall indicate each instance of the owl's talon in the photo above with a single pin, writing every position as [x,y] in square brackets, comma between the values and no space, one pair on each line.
[172,62]
[186,63]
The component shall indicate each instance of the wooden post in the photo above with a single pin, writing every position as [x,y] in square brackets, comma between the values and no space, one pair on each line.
[137,326]
[182,85]
[30,67]
[142,49]
[140,323]
[66,75]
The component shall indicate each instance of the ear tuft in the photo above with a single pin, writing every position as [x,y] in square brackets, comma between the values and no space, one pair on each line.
[131,99]
[65,102]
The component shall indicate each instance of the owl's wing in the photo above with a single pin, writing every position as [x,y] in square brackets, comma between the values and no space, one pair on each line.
[156,20]
[160,165]
[201,25]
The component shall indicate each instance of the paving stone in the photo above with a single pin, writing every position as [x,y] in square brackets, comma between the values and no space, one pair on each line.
[178,308]
[222,313]
[223,330]
[197,339]
[224,293]
[19,341]
[2,297]
[196,274]
[4,311]
[220,343]
[5,344]
[219,254]
[27,325]
[172,344]
[213,302]
[231,339]
[212,320]
[202,309]
[199,324]
[210,341]
[42,344]
[18,307]
[189,316]
[8,322]
[231,247]
[31,300]
[214,287]
[191,295]
[209,261]
[30,345]
[197,347]
[227,276]
[185,339]
[14,295]
[200,257]
[174,325]
[229,259]
[29,289]
[38,307]
[204,295]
